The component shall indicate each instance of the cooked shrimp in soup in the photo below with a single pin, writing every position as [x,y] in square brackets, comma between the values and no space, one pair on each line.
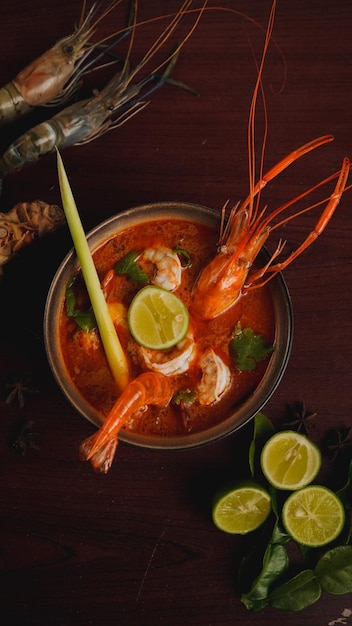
[202,368]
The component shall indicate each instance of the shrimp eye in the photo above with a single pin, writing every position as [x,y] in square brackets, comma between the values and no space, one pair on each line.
[68,49]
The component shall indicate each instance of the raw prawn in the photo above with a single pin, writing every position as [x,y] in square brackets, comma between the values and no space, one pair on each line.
[24,223]
[168,268]
[149,388]
[216,377]
[55,76]
[230,273]
[86,120]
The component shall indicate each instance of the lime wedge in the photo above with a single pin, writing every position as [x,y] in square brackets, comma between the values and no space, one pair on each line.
[242,509]
[290,460]
[313,516]
[157,318]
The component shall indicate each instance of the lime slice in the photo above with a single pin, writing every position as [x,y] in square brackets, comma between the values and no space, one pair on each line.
[242,509]
[290,460]
[157,318]
[313,516]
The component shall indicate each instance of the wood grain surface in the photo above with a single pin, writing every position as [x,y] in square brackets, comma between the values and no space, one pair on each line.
[138,546]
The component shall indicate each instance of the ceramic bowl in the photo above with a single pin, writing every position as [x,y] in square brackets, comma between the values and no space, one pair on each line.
[242,413]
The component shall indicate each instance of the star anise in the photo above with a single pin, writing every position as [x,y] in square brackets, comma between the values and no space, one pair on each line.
[340,441]
[300,418]
[24,438]
[19,387]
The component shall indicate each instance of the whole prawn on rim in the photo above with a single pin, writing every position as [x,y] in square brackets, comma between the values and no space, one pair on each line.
[55,76]
[119,100]
[231,273]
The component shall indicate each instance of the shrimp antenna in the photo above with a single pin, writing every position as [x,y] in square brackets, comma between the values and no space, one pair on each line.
[251,122]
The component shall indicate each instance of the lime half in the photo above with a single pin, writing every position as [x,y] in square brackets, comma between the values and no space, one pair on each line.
[242,509]
[313,516]
[157,318]
[290,460]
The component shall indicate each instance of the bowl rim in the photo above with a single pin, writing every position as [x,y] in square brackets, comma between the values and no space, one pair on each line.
[242,413]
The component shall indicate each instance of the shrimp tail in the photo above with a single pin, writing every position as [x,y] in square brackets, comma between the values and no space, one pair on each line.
[149,388]
[105,445]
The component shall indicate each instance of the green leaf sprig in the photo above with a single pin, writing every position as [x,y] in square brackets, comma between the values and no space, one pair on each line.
[184,256]
[267,576]
[248,348]
[332,574]
[185,396]
[128,266]
[85,319]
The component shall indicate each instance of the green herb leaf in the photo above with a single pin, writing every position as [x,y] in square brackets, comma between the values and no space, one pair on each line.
[334,570]
[345,493]
[249,349]
[185,396]
[84,319]
[263,567]
[275,562]
[129,267]
[297,593]
[262,431]
[279,534]
[184,256]
[70,297]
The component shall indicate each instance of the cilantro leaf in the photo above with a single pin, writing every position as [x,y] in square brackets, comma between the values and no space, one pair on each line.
[129,267]
[249,349]
[185,396]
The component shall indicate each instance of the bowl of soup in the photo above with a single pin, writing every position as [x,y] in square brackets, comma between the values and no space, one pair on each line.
[214,395]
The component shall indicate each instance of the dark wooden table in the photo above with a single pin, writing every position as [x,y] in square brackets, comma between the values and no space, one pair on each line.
[138,546]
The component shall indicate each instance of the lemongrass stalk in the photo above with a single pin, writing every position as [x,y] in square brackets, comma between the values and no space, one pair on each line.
[112,346]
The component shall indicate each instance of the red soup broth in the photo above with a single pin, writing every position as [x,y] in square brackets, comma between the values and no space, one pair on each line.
[85,358]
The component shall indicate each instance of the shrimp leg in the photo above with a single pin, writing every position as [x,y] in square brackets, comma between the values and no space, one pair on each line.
[149,388]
